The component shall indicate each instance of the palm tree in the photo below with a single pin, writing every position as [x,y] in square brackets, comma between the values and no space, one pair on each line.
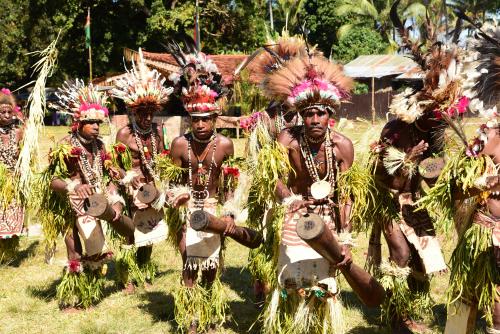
[364,12]
[290,10]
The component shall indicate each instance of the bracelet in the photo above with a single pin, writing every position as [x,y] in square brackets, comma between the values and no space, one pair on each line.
[292,198]
[71,185]
[129,176]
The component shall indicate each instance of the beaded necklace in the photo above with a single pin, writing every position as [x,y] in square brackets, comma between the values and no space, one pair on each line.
[9,151]
[312,169]
[92,173]
[149,164]
[200,196]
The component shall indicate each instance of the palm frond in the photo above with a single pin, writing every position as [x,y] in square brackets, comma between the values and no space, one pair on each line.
[37,106]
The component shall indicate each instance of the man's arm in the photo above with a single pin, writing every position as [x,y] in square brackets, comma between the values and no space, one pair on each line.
[346,157]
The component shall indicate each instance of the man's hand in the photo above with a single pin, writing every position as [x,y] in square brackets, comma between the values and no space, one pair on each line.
[297,205]
[180,200]
[416,151]
[347,260]
[136,182]
[84,191]
[493,182]
[117,207]
[230,225]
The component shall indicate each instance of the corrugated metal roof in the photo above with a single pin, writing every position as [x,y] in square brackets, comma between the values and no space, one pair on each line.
[413,74]
[378,66]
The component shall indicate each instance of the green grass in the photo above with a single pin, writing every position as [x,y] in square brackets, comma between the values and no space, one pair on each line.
[27,289]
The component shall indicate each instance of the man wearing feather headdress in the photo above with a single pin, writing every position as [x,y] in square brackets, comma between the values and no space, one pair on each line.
[138,148]
[199,301]
[475,262]
[79,167]
[407,160]
[305,292]
[11,212]
[264,128]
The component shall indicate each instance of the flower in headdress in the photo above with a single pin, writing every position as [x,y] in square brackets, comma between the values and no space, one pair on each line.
[249,123]
[74,266]
[6,91]
[120,148]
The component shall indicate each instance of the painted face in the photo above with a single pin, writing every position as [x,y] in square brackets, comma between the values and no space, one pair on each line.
[315,122]
[6,114]
[144,119]
[203,126]
[89,129]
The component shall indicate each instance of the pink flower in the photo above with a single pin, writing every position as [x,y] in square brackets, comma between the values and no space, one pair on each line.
[5,91]
[462,105]
[105,156]
[331,122]
[75,266]
[75,151]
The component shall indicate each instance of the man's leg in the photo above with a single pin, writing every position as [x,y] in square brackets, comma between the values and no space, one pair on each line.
[73,244]
[398,246]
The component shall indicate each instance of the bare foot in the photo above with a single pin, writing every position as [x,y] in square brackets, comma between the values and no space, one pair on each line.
[71,310]
[416,327]
[193,328]
[129,289]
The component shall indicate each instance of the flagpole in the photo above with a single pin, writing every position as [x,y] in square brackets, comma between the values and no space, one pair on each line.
[89,44]
[197,28]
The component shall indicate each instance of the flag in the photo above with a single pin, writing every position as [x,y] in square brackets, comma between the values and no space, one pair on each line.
[87,30]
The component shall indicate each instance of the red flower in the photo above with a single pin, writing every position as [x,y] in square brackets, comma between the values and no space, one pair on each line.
[437,114]
[331,122]
[120,148]
[75,266]
[235,172]
[165,152]
[76,151]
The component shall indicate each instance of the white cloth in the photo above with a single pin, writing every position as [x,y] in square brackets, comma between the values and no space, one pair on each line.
[202,248]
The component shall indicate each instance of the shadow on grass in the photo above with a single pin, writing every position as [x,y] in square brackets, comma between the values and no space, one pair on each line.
[45,292]
[24,254]
[159,305]
[243,312]
[371,315]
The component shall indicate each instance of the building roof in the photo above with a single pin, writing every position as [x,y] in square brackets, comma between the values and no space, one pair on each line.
[377,66]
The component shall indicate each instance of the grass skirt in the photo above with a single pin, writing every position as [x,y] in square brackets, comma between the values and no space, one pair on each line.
[309,312]
[404,300]
[8,249]
[129,270]
[201,304]
[474,274]
[80,286]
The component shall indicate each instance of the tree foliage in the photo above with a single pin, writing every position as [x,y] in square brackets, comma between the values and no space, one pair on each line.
[362,41]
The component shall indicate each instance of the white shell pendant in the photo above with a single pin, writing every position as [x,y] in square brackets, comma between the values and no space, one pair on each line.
[320,189]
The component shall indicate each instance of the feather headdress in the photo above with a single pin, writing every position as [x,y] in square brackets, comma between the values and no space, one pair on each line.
[142,87]
[442,92]
[309,82]
[276,53]
[198,83]
[483,83]
[82,102]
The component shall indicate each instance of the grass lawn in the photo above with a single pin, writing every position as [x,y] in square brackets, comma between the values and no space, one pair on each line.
[27,289]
